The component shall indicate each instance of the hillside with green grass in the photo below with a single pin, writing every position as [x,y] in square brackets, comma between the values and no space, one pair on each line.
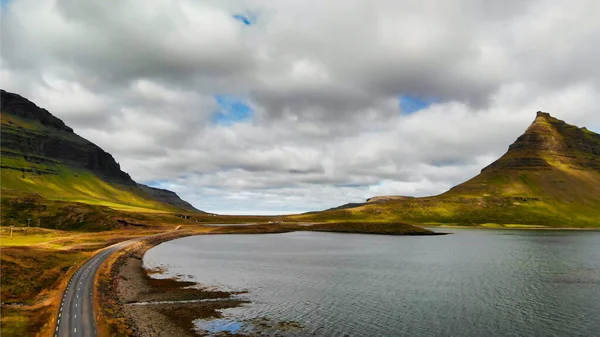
[45,162]
[549,177]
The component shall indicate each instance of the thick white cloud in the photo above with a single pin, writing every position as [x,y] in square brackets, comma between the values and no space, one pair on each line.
[323,81]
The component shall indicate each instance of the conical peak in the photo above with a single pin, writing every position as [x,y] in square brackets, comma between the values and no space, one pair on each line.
[544,134]
[546,119]
[543,114]
[549,138]
[542,123]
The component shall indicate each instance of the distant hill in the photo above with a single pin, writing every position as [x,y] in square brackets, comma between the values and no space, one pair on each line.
[550,176]
[42,156]
[168,197]
[385,198]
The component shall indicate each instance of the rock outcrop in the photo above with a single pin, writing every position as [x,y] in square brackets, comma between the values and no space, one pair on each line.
[19,106]
[168,197]
[385,198]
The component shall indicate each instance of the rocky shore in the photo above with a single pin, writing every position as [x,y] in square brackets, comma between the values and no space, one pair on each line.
[160,307]
[138,305]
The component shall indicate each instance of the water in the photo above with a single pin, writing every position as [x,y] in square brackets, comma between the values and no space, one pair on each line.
[470,283]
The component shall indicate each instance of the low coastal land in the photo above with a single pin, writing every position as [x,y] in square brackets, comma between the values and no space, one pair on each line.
[131,302]
[37,263]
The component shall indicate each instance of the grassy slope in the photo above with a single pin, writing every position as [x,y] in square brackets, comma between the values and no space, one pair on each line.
[17,207]
[78,186]
[59,195]
[561,188]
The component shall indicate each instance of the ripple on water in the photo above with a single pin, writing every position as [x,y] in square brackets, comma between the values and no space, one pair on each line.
[473,283]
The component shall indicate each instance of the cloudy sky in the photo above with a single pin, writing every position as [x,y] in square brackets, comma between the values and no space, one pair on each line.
[281,106]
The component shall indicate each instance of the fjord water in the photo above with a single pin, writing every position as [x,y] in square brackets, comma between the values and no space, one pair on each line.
[470,283]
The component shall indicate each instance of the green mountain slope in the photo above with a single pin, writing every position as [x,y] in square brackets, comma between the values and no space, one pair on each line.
[549,177]
[44,157]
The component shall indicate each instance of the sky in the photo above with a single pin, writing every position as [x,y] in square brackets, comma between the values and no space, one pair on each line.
[263,107]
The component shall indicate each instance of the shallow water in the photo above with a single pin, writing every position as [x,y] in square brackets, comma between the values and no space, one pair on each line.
[471,283]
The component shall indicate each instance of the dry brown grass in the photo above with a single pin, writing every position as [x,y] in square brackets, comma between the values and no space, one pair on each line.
[35,276]
[32,279]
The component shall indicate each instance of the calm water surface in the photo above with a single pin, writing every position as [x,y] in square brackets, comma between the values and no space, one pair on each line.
[471,283]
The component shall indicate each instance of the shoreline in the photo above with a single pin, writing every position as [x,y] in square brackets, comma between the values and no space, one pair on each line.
[132,303]
[124,282]
[124,289]
[510,228]
[167,307]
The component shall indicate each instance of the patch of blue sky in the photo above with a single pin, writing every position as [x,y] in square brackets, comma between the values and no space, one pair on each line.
[410,104]
[5,3]
[156,183]
[350,185]
[232,110]
[246,19]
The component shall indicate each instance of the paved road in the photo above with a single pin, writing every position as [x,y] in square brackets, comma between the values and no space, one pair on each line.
[76,315]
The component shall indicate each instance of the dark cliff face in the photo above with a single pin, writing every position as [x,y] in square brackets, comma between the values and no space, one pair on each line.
[168,197]
[19,106]
[52,141]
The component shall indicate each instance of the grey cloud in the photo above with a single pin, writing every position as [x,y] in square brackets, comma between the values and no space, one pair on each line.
[139,78]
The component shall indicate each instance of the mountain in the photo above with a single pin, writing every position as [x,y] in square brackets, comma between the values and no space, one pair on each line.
[42,156]
[550,176]
[168,197]
[552,161]
[34,135]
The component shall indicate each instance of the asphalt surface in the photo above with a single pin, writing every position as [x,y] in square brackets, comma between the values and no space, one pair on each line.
[76,314]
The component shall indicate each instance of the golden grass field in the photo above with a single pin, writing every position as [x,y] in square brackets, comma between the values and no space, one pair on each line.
[36,265]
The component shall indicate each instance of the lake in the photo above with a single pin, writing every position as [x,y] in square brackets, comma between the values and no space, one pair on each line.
[471,283]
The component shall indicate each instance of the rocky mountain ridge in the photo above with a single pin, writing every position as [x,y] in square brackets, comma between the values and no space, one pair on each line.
[168,197]
[36,142]
[53,141]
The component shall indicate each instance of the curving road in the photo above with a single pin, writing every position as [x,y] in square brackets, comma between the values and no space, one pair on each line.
[76,314]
